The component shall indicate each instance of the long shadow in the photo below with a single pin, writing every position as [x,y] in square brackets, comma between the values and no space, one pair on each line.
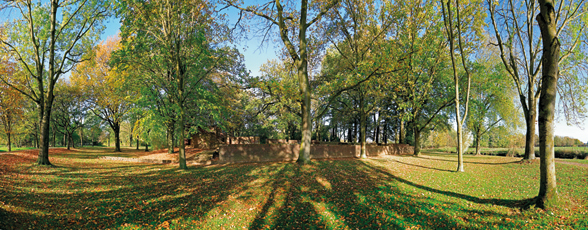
[278,180]
[469,162]
[520,204]
[421,166]
[122,196]
[353,193]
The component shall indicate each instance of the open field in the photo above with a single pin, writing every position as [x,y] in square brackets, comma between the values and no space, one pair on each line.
[503,151]
[392,192]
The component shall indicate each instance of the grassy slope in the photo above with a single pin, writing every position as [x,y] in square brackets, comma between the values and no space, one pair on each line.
[391,193]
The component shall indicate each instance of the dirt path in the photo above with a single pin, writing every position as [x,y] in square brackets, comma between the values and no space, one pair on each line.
[572,163]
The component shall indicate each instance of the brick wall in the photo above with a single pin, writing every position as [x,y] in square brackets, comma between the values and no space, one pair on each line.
[289,152]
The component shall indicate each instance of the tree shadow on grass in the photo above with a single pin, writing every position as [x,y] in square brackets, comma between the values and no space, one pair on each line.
[519,204]
[421,166]
[358,195]
[469,162]
[326,194]
[121,197]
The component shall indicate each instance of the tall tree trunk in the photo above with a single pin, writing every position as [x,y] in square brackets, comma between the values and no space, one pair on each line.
[182,143]
[9,143]
[401,133]
[548,197]
[170,137]
[450,32]
[362,131]
[377,121]
[477,137]
[385,132]
[81,137]
[46,101]
[138,143]
[354,137]
[349,133]
[68,140]
[303,81]
[417,141]
[530,120]
[116,130]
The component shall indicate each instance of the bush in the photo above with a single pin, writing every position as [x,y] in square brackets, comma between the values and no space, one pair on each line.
[570,154]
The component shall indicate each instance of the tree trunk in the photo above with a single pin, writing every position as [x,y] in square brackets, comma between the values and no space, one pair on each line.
[354,137]
[170,137]
[530,135]
[477,136]
[138,143]
[548,197]
[182,143]
[81,137]
[377,121]
[43,158]
[401,133]
[385,132]
[9,143]
[116,130]
[362,131]
[349,134]
[450,33]
[417,142]
[66,140]
[146,147]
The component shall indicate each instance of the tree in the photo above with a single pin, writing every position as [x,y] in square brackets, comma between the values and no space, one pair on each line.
[11,109]
[276,15]
[70,109]
[420,92]
[105,87]
[520,51]
[177,51]
[47,42]
[460,31]
[546,18]
[362,33]
[491,101]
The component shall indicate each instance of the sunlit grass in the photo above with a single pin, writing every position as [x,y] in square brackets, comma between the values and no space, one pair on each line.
[4,148]
[394,192]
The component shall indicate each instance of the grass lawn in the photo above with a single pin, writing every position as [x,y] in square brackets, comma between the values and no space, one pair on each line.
[393,192]
[4,148]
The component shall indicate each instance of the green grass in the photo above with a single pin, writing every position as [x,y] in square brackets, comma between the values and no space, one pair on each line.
[4,148]
[581,161]
[83,192]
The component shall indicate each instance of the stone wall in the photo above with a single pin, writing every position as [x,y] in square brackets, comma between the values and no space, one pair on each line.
[257,153]
[392,149]
[289,152]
